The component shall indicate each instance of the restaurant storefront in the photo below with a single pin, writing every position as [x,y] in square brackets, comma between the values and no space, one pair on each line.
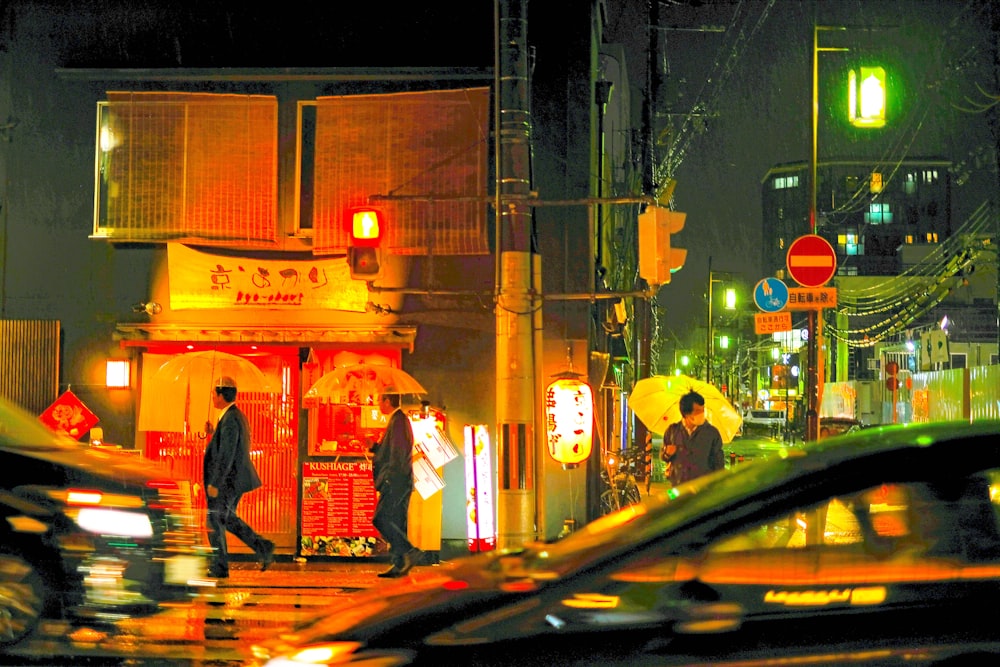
[317,495]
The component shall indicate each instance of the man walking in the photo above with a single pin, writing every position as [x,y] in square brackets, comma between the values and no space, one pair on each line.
[392,468]
[692,447]
[229,473]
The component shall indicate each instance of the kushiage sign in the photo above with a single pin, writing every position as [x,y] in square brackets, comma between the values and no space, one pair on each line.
[569,419]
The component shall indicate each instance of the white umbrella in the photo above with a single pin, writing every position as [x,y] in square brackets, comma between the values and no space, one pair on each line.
[178,398]
[360,384]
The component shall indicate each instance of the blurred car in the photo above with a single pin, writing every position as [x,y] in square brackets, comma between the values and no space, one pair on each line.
[87,532]
[838,425]
[764,419]
[881,540]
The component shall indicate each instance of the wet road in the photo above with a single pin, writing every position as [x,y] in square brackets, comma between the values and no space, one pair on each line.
[216,628]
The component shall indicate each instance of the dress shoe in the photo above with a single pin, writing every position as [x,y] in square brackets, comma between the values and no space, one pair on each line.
[217,572]
[392,573]
[410,558]
[266,555]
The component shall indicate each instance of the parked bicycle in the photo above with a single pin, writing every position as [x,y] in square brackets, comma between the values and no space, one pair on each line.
[621,476]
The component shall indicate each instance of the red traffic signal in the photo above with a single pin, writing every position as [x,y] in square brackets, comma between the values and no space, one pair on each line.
[891,372]
[364,256]
[366,226]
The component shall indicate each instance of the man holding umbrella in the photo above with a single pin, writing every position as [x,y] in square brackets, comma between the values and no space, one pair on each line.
[692,447]
[392,468]
[229,473]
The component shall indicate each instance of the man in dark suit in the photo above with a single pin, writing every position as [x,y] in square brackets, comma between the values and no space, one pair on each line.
[229,473]
[392,467]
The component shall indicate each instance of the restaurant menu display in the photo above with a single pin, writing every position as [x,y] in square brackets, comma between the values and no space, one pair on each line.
[338,493]
[338,500]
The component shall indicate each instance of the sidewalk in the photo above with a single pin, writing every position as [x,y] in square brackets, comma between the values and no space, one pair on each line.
[287,572]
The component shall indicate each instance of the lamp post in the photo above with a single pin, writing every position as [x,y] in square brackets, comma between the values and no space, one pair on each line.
[730,305]
[812,373]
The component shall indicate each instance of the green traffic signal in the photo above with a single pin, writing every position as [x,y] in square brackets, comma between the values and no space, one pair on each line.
[866,97]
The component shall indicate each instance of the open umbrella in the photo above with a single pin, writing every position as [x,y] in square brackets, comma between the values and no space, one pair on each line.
[361,384]
[177,397]
[656,402]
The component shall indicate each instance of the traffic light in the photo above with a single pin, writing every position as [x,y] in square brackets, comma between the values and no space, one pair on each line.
[364,255]
[866,97]
[891,373]
[657,258]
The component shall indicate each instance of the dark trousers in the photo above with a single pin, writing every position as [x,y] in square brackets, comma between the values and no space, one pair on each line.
[390,521]
[222,517]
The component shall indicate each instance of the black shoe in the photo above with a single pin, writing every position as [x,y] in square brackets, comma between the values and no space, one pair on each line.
[218,573]
[266,555]
[392,573]
[412,557]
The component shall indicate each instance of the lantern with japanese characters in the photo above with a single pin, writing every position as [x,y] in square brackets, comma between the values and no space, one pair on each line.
[569,419]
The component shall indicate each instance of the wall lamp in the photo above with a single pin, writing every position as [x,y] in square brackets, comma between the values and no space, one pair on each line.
[117,373]
[150,308]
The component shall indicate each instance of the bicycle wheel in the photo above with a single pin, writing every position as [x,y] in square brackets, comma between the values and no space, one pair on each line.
[632,494]
[608,502]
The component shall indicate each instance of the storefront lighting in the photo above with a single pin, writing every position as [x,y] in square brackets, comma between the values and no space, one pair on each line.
[116,373]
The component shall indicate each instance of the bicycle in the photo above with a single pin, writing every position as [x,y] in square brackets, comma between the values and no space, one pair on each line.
[627,470]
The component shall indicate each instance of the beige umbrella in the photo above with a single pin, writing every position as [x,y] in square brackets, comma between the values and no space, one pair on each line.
[361,384]
[178,398]
[656,402]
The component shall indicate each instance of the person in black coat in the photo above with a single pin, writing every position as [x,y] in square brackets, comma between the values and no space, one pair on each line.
[392,468]
[692,446]
[229,473]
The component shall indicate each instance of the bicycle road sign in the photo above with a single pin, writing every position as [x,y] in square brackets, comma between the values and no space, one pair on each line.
[770,295]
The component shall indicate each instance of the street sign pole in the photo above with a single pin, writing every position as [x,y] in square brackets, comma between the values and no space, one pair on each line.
[812,262]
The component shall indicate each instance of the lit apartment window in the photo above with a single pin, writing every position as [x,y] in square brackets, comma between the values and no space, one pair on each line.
[848,244]
[784,182]
[908,239]
[878,214]
[931,237]
[910,184]
[847,270]
[930,175]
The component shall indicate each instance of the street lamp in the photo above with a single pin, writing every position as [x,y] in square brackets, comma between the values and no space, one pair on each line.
[730,305]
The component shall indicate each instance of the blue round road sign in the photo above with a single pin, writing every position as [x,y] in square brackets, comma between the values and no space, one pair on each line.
[770,295]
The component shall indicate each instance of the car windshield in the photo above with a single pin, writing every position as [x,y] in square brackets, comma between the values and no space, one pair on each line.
[19,428]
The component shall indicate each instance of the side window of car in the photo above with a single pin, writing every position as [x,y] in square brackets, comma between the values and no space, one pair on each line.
[943,518]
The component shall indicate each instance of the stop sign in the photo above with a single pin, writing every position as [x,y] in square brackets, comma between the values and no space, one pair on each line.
[811,260]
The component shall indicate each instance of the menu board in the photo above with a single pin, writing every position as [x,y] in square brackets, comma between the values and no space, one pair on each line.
[338,501]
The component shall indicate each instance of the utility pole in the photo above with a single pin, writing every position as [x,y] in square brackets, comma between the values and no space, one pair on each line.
[518,283]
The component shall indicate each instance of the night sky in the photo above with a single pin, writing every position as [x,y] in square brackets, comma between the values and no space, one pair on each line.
[752,86]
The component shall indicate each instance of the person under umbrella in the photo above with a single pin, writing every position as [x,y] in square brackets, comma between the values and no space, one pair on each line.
[392,468]
[229,473]
[692,447]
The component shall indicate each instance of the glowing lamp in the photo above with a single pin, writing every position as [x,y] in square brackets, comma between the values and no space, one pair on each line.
[866,97]
[569,419]
[116,374]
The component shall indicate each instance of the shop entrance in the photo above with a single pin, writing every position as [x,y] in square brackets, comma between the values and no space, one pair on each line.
[178,439]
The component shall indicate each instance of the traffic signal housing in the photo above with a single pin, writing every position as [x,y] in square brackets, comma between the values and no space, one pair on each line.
[892,375]
[364,255]
[657,256]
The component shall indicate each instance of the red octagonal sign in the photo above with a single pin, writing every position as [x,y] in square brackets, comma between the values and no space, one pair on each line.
[811,260]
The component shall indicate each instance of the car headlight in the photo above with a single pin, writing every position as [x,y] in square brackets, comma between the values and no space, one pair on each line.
[106,521]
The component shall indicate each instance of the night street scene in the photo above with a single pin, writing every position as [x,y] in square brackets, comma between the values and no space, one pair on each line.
[607,332]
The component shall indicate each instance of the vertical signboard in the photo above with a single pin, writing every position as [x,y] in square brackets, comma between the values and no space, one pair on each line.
[481,529]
